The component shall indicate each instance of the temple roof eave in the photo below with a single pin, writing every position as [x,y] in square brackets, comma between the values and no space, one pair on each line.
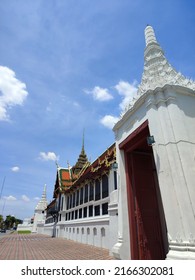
[142,98]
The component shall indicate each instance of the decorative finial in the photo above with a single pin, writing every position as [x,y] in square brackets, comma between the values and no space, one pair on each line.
[83,142]
[44,192]
[150,35]
[57,164]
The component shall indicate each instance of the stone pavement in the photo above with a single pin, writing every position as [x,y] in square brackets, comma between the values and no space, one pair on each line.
[43,247]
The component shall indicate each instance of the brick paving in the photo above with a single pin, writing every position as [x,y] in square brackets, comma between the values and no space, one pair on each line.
[43,247]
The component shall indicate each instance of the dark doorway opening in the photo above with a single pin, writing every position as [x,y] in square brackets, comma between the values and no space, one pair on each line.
[146,215]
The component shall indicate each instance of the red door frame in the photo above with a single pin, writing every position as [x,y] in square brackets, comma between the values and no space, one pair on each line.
[128,145]
[131,143]
[131,211]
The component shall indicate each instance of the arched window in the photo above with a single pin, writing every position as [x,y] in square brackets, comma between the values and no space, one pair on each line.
[103,232]
[94,231]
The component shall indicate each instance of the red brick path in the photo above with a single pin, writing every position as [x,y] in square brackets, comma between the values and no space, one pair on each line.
[43,247]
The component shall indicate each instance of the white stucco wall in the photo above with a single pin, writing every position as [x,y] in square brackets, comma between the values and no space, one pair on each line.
[171,117]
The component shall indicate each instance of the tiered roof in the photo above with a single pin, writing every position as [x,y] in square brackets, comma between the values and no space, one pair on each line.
[81,163]
[68,179]
[99,167]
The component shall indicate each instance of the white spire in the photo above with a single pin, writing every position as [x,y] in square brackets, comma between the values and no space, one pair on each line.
[42,204]
[150,35]
[157,70]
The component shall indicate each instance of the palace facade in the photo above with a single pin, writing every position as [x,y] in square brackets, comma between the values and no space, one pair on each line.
[85,205]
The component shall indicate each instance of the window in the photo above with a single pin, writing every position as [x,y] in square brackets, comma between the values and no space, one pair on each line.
[104,186]
[105,209]
[103,232]
[91,192]
[70,201]
[67,206]
[85,212]
[73,202]
[115,180]
[91,211]
[62,202]
[72,215]
[80,213]
[81,196]
[97,210]
[97,189]
[86,194]
[77,199]
[76,214]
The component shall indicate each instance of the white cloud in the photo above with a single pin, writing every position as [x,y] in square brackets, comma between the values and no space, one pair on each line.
[48,156]
[76,104]
[109,121]
[10,198]
[36,198]
[12,92]
[128,91]
[25,198]
[100,94]
[15,169]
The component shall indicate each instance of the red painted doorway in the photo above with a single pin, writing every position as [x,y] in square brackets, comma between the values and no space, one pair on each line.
[146,216]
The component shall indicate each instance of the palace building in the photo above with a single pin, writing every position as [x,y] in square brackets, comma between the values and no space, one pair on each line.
[137,199]
[85,206]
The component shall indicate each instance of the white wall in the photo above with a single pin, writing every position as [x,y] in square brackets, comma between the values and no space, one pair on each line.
[171,116]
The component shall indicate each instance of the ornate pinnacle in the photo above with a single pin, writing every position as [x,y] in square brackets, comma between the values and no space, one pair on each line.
[150,35]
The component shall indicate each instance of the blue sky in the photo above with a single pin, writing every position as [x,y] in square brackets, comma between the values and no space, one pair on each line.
[69,65]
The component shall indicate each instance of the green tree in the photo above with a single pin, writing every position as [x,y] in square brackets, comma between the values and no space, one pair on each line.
[1,221]
[9,221]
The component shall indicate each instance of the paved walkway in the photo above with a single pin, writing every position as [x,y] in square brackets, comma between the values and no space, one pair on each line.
[43,247]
